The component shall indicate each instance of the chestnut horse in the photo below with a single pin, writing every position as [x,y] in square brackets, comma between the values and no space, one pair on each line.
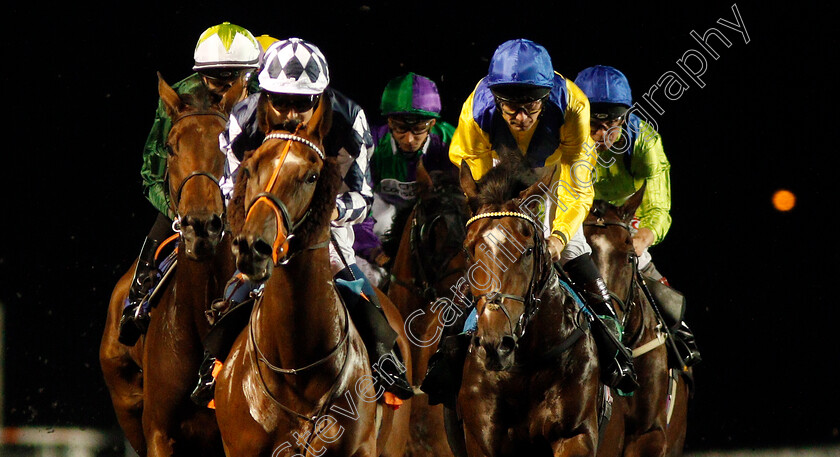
[531,378]
[297,379]
[150,383]
[652,422]
[427,273]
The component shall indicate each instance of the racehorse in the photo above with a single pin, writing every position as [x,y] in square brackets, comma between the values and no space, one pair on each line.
[150,382]
[652,422]
[425,279]
[297,379]
[531,378]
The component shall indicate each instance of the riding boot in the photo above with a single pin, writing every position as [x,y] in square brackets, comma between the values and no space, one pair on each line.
[205,389]
[686,345]
[616,361]
[378,336]
[134,321]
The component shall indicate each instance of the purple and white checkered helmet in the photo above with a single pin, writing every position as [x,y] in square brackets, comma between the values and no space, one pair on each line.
[294,66]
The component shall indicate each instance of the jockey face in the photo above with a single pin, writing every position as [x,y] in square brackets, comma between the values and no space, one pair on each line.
[220,80]
[410,134]
[289,110]
[605,133]
[520,116]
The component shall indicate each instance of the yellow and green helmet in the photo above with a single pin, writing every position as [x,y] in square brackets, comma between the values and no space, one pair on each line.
[226,46]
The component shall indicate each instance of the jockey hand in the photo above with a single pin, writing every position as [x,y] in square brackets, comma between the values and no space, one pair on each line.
[642,240]
[555,247]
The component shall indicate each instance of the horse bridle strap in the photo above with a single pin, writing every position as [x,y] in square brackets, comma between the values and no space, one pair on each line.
[502,214]
[286,136]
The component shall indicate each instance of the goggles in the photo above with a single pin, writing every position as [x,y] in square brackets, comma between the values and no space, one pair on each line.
[511,108]
[222,74]
[416,128]
[299,103]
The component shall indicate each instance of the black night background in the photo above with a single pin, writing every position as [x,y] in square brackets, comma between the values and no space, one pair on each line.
[80,93]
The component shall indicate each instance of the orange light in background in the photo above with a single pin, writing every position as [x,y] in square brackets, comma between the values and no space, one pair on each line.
[784,200]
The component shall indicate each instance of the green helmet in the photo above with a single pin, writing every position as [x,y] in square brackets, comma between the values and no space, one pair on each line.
[412,95]
[226,46]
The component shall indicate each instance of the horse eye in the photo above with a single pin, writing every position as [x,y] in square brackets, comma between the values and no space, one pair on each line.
[312,178]
[169,149]
[529,251]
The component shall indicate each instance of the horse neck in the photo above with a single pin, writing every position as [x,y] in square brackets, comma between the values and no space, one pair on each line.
[198,284]
[299,319]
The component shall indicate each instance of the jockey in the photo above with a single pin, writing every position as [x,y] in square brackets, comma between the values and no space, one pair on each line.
[413,131]
[223,54]
[289,95]
[640,161]
[523,105]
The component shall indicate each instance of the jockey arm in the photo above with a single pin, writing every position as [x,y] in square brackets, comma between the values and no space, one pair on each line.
[651,166]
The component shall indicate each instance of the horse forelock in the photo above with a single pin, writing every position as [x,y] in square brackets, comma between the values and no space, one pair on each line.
[501,185]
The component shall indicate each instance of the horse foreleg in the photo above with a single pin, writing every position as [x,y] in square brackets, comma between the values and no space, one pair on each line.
[125,384]
[649,444]
[580,445]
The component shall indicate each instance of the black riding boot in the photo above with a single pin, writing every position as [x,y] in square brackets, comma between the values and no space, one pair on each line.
[205,389]
[616,361]
[686,345]
[379,339]
[134,321]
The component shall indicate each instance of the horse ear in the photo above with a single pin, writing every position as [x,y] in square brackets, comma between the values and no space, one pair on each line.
[321,121]
[424,181]
[468,184]
[170,98]
[232,96]
[628,209]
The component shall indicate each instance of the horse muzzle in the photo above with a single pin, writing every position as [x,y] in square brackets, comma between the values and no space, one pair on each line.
[201,234]
[253,257]
[498,352]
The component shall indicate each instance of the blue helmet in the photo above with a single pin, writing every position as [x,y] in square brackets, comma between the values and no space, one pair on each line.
[520,69]
[603,84]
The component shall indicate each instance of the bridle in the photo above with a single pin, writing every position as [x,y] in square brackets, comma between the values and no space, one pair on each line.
[176,223]
[422,283]
[280,252]
[630,295]
[540,277]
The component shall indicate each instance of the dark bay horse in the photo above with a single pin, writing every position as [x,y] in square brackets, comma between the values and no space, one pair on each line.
[150,382]
[425,279]
[653,421]
[530,382]
[297,379]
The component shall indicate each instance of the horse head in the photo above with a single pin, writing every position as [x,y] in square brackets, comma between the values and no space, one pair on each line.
[194,165]
[284,196]
[608,230]
[509,264]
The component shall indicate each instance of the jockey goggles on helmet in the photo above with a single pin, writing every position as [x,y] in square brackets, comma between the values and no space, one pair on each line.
[414,125]
[513,98]
[222,74]
[300,103]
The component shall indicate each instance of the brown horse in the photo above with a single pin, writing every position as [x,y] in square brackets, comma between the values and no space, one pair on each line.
[652,422]
[425,280]
[530,382]
[297,379]
[150,382]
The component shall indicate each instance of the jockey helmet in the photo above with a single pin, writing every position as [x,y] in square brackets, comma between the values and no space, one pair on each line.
[520,71]
[294,66]
[226,46]
[607,89]
[411,95]
[265,41]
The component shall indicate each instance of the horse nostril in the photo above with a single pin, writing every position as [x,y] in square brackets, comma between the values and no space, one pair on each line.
[214,226]
[476,341]
[507,345]
[262,248]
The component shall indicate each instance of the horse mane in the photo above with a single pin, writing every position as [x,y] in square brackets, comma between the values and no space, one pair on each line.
[320,208]
[502,184]
[200,99]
